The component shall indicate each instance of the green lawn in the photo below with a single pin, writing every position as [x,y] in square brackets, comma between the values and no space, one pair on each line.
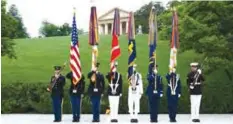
[36,58]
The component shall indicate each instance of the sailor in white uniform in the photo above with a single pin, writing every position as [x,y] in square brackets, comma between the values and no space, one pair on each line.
[135,92]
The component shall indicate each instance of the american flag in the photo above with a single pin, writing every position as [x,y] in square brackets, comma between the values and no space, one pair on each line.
[75,64]
[174,41]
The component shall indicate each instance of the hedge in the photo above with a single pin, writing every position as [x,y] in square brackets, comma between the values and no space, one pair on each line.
[33,98]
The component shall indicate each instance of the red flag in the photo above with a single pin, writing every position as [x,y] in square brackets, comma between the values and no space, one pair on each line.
[115,52]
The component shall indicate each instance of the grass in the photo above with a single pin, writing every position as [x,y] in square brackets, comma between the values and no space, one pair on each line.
[36,58]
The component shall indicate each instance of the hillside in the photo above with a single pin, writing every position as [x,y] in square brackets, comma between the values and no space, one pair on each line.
[36,58]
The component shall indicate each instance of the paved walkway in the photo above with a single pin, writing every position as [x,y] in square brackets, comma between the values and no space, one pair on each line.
[123,119]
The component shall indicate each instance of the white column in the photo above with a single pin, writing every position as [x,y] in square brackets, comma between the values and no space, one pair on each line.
[111,28]
[100,29]
[126,27]
[106,28]
[120,28]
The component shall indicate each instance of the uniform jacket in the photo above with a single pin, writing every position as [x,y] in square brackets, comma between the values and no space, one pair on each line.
[57,89]
[139,85]
[99,84]
[117,79]
[80,86]
[158,84]
[173,77]
[197,88]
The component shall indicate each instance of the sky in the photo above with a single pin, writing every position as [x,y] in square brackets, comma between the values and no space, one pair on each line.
[59,12]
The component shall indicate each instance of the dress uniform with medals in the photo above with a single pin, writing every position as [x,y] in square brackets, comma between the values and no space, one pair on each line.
[154,92]
[96,90]
[76,94]
[114,92]
[57,92]
[173,93]
[135,92]
[195,81]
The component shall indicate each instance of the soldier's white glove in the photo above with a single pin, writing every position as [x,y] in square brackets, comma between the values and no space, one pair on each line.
[120,95]
[82,95]
[102,95]
[199,71]
[179,95]
[161,95]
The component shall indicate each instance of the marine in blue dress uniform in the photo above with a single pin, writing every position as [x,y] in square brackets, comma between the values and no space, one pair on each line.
[96,90]
[57,92]
[195,81]
[154,92]
[173,93]
[76,94]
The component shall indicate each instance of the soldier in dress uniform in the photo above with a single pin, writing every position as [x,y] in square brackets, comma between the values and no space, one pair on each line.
[114,91]
[57,92]
[96,90]
[135,92]
[195,81]
[173,93]
[76,94]
[154,92]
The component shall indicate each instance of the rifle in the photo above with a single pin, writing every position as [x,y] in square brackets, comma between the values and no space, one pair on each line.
[54,80]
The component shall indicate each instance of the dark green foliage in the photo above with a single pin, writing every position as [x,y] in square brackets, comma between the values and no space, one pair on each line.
[49,29]
[142,15]
[8,23]
[33,98]
[20,29]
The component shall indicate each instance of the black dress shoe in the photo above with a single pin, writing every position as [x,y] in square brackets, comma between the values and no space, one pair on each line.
[134,120]
[153,121]
[193,120]
[75,120]
[173,120]
[57,121]
[114,120]
[197,120]
[95,120]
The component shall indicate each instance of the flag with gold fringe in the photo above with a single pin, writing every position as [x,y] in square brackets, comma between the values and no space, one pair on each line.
[93,36]
[131,45]
[174,42]
[152,39]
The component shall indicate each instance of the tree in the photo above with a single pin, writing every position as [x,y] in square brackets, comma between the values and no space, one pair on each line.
[20,28]
[142,15]
[207,29]
[8,23]
[48,29]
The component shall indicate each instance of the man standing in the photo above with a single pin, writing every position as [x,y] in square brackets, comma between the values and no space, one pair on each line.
[195,81]
[76,94]
[114,92]
[57,92]
[154,92]
[173,93]
[96,90]
[135,92]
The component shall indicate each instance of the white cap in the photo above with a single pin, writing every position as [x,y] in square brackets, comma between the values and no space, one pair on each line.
[194,64]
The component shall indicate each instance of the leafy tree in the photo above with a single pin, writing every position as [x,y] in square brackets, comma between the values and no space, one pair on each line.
[142,15]
[20,31]
[207,28]
[48,29]
[8,23]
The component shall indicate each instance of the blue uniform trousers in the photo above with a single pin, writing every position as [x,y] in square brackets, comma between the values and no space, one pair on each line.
[76,104]
[57,106]
[153,104]
[172,106]
[95,100]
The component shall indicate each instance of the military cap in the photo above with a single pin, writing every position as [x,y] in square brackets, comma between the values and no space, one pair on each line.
[57,67]
[194,64]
